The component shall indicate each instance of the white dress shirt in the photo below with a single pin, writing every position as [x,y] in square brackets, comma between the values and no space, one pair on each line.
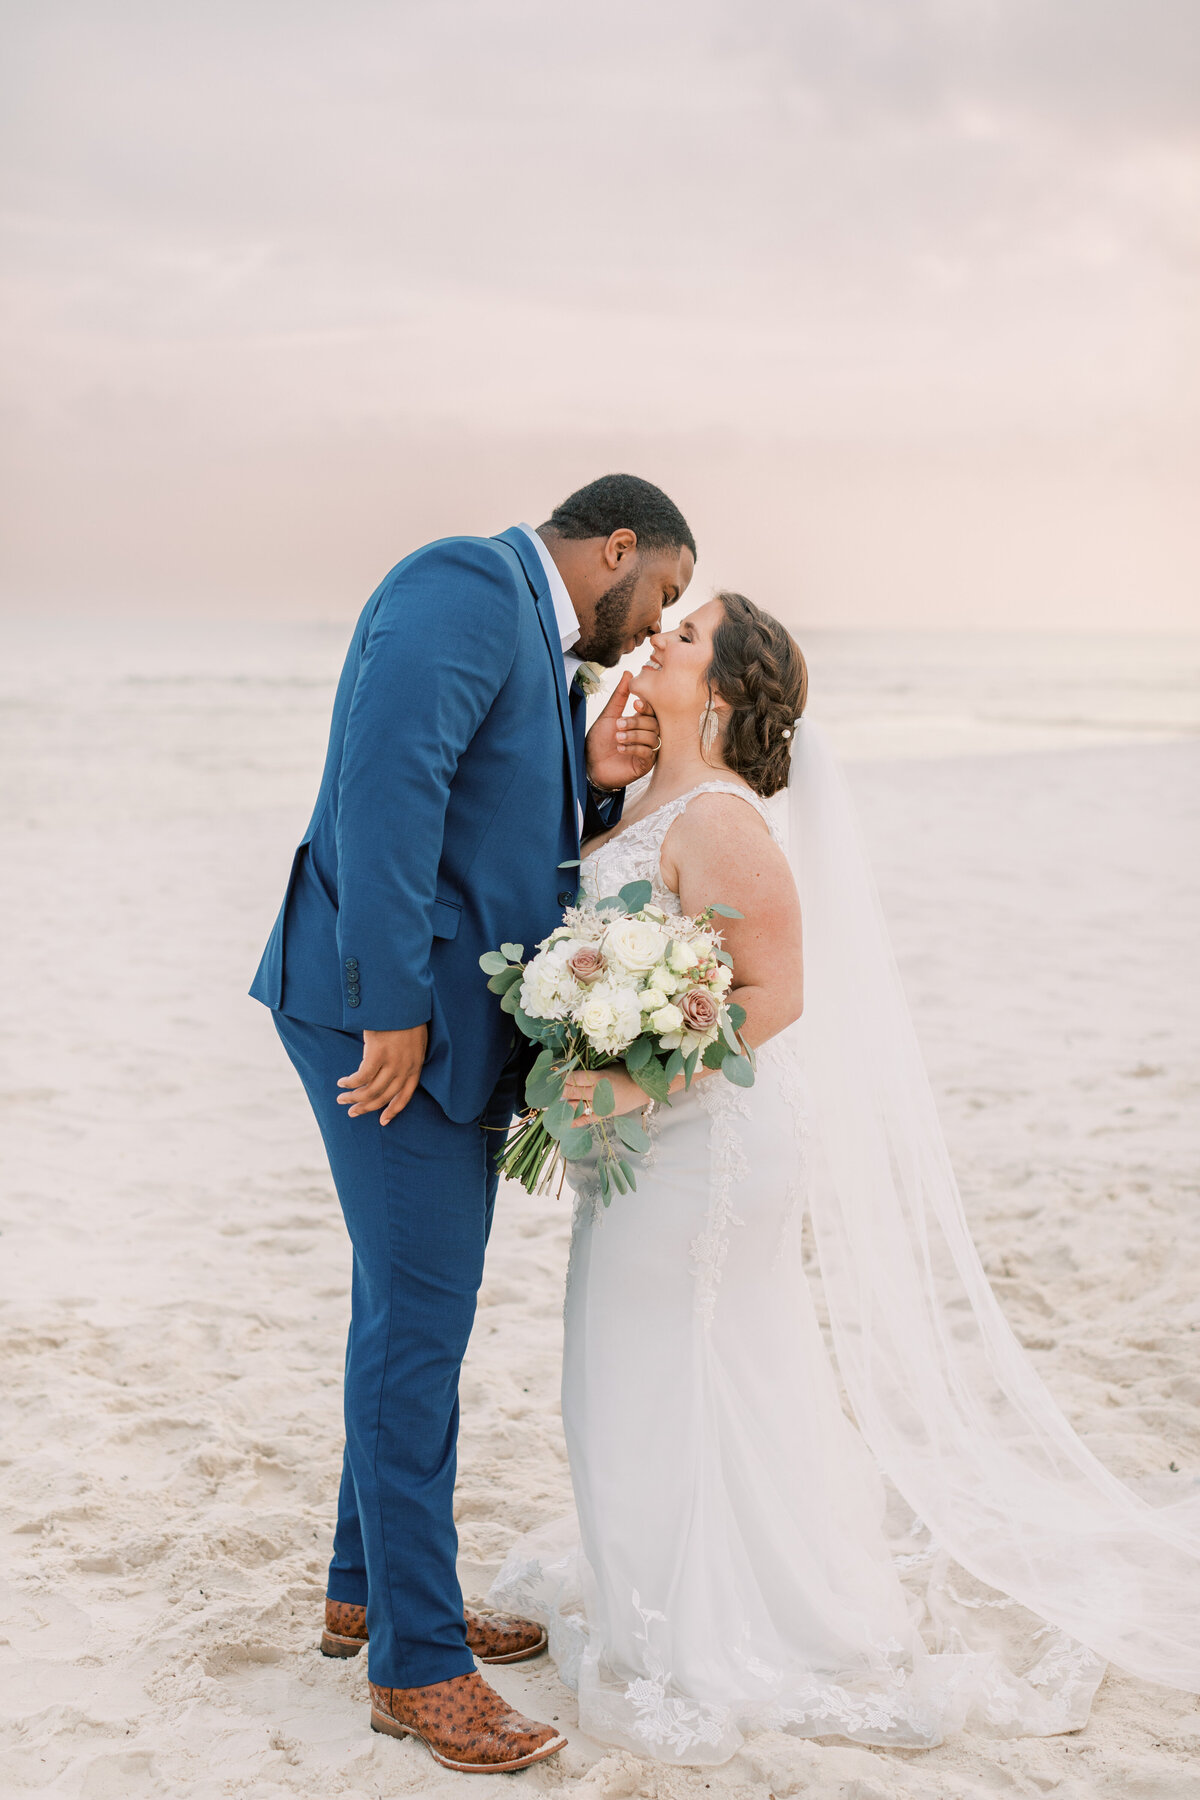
[564,611]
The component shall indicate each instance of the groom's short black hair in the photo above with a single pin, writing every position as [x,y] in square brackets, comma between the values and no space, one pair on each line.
[623,502]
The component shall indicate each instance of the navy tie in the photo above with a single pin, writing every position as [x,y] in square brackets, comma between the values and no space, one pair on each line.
[579,734]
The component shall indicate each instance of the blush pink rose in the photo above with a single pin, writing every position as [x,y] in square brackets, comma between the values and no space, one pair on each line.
[586,964]
[699,1009]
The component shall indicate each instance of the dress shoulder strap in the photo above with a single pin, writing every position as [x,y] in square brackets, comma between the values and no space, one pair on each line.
[726,787]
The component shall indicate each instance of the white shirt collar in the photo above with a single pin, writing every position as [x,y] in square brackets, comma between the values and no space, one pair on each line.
[564,612]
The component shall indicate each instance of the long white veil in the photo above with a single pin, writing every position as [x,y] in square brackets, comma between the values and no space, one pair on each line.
[944,1394]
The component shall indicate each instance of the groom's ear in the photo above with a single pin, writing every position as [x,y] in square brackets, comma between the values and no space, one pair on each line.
[621,545]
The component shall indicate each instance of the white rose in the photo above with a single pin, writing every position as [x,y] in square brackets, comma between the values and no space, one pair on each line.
[627,1020]
[610,1017]
[667,1018]
[596,1017]
[681,957]
[721,977]
[652,999]
[636,944]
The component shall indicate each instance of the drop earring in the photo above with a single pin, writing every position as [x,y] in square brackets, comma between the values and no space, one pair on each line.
[710,729]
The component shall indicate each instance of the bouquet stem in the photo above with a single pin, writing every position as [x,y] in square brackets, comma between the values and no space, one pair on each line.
[528,1155]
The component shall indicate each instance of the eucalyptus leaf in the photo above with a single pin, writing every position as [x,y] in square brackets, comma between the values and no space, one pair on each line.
[618,1179]
[604,1101]
[627,1172]
[533,1028]
[491,962]
[738,1070]
[559,1117]
[638,1054]
[689,1068]
[507,978]
[632,1132]
[514,952]
[715,1054]
[652,1079]
[724,956]
[510,1000]
[636,894]
[576,1144]
[730,1036]
[610,903]
[604,1184]
[542,1084]
[674,1064]
[572,863]
[728,912]
[737,1014]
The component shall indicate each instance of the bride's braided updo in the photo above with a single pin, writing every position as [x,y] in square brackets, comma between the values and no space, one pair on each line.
[759,670]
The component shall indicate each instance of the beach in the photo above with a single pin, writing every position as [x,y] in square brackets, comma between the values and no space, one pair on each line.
[174,1272]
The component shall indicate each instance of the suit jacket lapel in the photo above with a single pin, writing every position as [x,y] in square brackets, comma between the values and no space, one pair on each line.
[516,540]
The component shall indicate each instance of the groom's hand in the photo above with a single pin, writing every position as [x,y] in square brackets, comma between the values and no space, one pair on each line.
[621,750]
[388,1074]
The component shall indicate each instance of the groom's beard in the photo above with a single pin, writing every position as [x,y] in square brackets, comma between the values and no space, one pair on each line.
[609,633]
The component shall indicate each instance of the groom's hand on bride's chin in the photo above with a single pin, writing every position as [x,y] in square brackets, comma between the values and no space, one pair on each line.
[386,1078]
[621,750]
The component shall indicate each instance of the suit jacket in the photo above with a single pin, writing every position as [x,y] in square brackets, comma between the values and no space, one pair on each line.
[451,795]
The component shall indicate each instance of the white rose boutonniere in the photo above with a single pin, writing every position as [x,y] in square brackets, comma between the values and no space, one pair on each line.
[590,677]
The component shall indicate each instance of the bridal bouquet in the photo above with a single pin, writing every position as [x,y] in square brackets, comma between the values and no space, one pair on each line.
[618,984]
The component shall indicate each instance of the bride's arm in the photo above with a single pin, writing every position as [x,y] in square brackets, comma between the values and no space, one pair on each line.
[720,851]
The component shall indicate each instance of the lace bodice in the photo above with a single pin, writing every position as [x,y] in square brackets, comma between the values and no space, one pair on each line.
[633,853]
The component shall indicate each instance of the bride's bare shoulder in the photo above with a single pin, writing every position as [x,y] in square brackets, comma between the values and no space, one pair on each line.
[719,826]
[734,807]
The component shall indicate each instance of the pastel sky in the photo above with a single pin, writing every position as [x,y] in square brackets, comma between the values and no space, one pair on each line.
[900,299]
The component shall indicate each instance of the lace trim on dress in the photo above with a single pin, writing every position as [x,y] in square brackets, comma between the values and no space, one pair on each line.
[887,1699]
[725,1106]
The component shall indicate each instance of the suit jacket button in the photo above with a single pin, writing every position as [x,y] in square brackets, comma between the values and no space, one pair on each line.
[353,1000]
[566,898]
[352,963]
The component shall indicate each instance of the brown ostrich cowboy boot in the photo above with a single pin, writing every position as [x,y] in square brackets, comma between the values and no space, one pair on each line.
[491,1637]
[345,1630]
[464,1724]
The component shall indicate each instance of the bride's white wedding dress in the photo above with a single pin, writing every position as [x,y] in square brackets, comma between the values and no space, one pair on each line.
[737,1560]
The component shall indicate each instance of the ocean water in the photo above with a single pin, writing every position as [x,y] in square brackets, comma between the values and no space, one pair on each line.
[933,694]
[168,715]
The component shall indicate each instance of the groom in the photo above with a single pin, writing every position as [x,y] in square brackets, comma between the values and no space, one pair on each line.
[458,784]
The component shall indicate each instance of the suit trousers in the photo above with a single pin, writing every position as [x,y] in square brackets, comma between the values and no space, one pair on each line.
[417,1196]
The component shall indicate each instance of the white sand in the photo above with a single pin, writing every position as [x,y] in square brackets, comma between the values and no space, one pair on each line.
[175,1272]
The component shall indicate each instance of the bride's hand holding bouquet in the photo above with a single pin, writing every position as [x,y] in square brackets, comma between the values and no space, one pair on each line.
[624,1000]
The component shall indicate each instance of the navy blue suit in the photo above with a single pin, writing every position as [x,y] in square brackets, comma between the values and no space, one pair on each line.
[452,792]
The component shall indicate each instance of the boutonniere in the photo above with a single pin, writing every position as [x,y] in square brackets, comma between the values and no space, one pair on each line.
[590,678]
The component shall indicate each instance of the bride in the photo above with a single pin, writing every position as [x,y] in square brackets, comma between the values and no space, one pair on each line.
[885,1543]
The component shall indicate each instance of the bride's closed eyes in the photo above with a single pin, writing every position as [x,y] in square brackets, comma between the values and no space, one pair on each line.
[675,672]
